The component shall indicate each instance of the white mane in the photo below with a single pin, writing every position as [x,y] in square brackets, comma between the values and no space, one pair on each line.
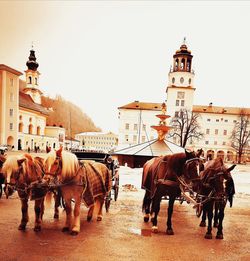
[10,166]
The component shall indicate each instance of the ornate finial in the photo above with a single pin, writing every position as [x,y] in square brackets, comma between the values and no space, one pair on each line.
[163,108]
[184,40]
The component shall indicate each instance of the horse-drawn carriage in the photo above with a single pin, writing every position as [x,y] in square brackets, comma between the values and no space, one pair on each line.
[112,165]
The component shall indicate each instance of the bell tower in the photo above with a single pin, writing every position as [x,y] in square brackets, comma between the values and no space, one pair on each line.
[180,89]
[32,78]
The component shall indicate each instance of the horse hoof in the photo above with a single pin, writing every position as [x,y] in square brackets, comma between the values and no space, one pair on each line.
[56,216]
[208,236]
[202,224]
[22,227]
[65,229]
[74,233]
[155,229]
[219,236]
[37,228]
[89,218]
[99,218]
[215,224]
[146,218]
[170,232]
[152,220]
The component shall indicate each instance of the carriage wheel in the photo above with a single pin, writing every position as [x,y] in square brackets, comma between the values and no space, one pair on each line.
[107,201]
[116,188]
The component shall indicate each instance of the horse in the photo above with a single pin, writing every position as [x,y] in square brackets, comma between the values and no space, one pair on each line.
[216,188]
[2,178]
[161,177]
[20,173]
[87,181]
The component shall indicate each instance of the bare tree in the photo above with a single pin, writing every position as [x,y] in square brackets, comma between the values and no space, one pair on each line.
[240,137]
[186,127]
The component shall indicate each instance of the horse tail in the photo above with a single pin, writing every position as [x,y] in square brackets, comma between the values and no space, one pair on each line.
[230,190]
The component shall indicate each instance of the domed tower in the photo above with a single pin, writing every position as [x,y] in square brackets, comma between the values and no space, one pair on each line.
[32,78]
[180,89]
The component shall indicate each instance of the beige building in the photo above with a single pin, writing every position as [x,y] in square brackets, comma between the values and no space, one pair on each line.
[23,118]
[216,122]
[97,141]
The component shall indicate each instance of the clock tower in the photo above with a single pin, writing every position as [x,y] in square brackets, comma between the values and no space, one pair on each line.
[180,89]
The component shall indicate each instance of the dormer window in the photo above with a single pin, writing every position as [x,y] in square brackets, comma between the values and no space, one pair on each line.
[30,80]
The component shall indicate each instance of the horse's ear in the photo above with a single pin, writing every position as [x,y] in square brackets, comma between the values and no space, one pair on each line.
[59,152]
[231,168]
[199,152]
[20,161]
[189,154]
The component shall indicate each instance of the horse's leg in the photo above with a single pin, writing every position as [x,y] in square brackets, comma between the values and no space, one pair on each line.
[170,212]
[38,212]
[216,215]
[68,210]
[90,213]
[57,198]
[25,216]
[146,206]
[156,202]
[42,209]
[100,202]
[76,224]
[203,218]
[210,218]
[221,209]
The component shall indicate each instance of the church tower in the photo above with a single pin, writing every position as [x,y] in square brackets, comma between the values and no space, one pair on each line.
[180,89]
[32,78]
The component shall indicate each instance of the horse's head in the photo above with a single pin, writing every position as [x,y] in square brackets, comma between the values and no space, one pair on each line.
[12,170]
[59,165]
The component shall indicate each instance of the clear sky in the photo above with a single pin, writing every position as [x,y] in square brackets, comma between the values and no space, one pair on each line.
[104,54]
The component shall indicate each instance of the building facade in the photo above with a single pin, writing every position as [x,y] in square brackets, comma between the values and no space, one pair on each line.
[97,141]
[217,123]
[23,118]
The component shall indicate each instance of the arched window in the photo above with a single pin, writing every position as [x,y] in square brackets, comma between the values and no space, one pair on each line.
[188,65]
[30,80]
[182,64]
[36,81]
[176,64]
[20,127]
[30,129]
[38,130]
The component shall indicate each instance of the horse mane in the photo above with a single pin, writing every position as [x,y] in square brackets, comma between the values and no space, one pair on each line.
[69,163]
[211,166]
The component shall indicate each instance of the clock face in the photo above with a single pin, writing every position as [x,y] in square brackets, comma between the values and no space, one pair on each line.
[173,80]
[182,80]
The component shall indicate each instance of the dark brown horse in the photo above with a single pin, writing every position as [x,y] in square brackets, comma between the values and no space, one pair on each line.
[161,177]
[20,172]
[217,186]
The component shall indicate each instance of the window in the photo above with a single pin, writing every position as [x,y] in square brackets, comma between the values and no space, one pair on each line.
[216,131]
[217,120]
[223,143]
[215,142]
[173,80]
[208,119]
[182,80]
[20,127]
[226,120]
[11,112]
[177,103]
[182,103]
[180,95]
[225,132]
[11,82]
[176,114]
[36,81]
[234,121]
[126,137]
[127,126]
[11,126]
[30,80]
[135,127]
[207,131]
[206,142]
[30,129]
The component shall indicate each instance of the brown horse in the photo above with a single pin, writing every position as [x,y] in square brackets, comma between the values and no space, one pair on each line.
[161,177]
[2,178]
[89,182]
[216,193]
[20,173]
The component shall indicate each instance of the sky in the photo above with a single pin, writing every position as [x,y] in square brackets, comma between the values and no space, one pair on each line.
[101,55]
